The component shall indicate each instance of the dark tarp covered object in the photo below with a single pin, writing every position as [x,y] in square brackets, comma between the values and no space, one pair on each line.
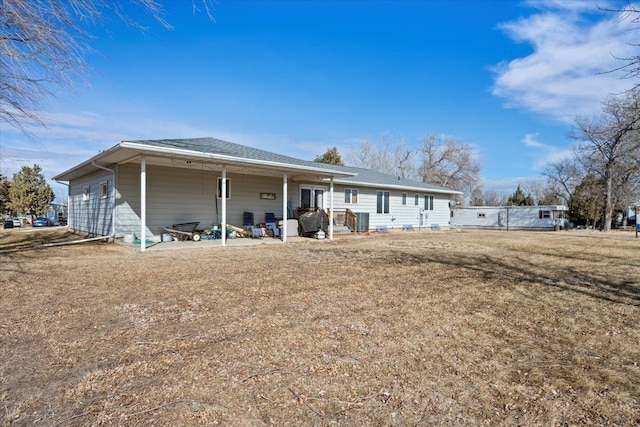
[309,223]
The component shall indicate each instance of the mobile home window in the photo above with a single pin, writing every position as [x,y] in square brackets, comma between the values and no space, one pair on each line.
[404,199]
[544,214]
[417,199]
[227,188]
[85,193]
[428,203]
[382,202]
[104,189]
[350,195]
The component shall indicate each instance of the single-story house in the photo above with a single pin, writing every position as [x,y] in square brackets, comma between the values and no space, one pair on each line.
[550,217]
[140,187]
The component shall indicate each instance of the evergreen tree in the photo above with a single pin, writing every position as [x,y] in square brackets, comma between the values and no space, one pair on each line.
[587,202]
[477,197]
[29,192]
[330,157]
[5,184]
[519,198]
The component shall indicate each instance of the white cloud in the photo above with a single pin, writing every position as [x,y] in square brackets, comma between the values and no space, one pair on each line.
[567,73]
[544,154]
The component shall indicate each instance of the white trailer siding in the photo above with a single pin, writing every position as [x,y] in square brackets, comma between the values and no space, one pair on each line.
[512,217]
[91,204]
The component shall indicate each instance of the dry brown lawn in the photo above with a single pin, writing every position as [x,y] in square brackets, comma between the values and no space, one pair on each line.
[476,328]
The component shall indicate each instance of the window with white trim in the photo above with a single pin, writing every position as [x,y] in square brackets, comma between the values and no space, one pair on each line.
[382,202]
[104,189]
[85,193]
[544,214]
[428,203]
[351,195]
[227,188]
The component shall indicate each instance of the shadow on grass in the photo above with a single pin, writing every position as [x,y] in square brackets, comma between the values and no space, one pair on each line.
[596,282]
[25,240]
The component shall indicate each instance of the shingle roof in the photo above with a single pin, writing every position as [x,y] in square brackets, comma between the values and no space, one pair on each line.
[364,176]
[218,146]
[383,179]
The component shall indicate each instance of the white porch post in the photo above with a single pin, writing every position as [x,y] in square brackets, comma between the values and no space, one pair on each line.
[223,227]
[331,207]
[284,209]
[143,202]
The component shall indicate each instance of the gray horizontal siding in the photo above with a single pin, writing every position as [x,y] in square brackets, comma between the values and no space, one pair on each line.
[92,215]
[399,214]
[178,195]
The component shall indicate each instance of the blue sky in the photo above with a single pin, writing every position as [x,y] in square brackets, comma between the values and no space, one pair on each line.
[298,77]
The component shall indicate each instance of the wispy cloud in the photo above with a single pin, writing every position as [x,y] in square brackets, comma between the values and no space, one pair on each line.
[70,138]
[544,154]
[575,45]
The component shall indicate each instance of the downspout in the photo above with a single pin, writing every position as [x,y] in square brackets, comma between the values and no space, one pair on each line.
[224,205]
[331,209]
[68,198]
[113,208]
[285,216]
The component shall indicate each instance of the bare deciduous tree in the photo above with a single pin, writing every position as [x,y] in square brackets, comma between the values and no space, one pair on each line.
[451,163]
[43,44]
[563,177]
[388,155]
[492,198]
[610,147]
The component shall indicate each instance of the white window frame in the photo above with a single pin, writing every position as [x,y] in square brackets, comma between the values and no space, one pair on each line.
[386,196]
[104,189]
[313,196]
[86,193]
[428,202]
[351,196]
[405,196]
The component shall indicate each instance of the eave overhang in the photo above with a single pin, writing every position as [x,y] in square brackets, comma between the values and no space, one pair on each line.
[131,152]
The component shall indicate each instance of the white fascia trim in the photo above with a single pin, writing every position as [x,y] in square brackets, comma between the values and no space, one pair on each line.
[91,161]
[396,187]
[230,159]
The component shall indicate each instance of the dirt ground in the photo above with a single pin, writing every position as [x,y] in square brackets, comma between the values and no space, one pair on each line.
[474,328]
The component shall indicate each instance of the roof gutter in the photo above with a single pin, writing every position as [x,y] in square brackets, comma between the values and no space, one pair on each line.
[398,187]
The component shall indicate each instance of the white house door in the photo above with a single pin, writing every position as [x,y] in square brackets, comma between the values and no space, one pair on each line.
[312,197]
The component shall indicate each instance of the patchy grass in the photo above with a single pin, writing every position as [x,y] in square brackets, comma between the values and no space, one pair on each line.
[415,328]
